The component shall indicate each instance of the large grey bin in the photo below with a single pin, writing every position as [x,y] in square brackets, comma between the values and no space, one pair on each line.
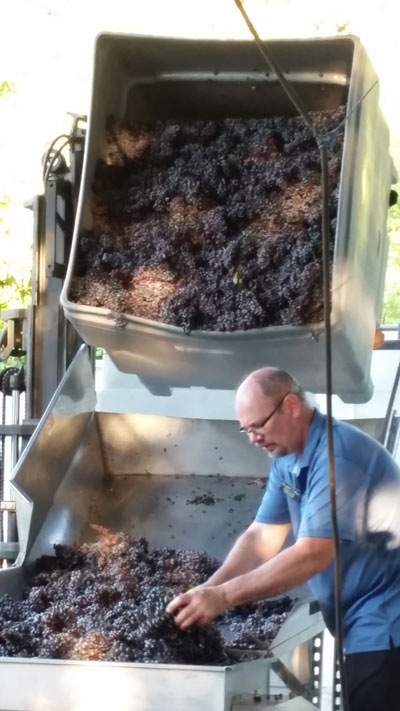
[143,78]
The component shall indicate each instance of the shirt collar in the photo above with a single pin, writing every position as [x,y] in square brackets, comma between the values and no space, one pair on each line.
[315,430]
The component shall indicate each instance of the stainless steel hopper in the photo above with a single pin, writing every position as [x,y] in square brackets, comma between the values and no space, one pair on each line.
[133,473]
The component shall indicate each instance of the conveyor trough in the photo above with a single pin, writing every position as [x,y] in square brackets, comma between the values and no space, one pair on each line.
[133,473]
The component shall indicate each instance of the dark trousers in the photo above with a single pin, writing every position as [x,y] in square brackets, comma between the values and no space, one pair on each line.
[373,680]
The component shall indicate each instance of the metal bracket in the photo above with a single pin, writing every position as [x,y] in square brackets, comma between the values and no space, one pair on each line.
[12,338]
[290,680]
[9,551]
[58,226]
[7,506]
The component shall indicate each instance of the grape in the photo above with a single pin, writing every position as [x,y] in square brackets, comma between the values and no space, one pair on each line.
[106,600]
[210,225]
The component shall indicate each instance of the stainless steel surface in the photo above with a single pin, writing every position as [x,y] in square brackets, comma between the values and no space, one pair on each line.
[132,473]
[177,481]
[15,405]
[297,704]
[51,685]
[169,445]
[43,685]
[147,78]
[53,453]
[159,508]
[300,626]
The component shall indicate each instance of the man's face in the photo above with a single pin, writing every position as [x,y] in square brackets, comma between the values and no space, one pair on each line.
[267,421]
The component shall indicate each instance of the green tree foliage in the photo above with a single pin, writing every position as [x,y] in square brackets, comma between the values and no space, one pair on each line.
[15,291]
[6,87]
[391,304]
[15,288]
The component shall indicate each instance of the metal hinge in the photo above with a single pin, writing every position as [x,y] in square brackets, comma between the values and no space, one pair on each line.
[7,505]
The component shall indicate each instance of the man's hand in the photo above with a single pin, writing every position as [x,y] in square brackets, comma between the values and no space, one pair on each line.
[198,606]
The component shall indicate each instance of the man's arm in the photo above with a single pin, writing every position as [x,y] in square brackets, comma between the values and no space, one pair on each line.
[290,567]
[259,543]
[293,566]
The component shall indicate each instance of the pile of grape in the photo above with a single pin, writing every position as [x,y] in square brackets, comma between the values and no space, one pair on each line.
[106,600]
[210,225]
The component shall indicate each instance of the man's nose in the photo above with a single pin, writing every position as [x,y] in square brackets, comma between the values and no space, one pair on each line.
[254,437]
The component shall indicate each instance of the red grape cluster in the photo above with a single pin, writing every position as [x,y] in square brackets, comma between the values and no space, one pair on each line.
[210,225]
[106,600]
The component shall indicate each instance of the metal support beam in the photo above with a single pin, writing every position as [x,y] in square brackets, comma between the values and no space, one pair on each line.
[9,551]
[290,680]
[52,341]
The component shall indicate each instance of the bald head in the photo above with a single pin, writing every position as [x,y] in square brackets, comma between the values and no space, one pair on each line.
[272,382]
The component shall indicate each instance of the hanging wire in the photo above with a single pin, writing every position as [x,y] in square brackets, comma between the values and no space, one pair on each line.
[346,118]
[321,143]
[295,99]
[51,159]
[50,150]
[329,427]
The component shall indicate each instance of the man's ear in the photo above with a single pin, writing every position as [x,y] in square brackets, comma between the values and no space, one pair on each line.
[292,405]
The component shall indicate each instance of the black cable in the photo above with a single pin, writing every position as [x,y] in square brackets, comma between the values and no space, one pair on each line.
[49,160]
[279,73]
[321,143]
[382,438]
[49,150]
[54,158]
[296,100]
[329,429]
[346,118]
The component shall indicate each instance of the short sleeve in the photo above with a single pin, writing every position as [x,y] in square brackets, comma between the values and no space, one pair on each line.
[350,491]
[273,507]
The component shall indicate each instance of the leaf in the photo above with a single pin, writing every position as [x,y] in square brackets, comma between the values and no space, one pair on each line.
[237,279]
[391,301]
[6,87]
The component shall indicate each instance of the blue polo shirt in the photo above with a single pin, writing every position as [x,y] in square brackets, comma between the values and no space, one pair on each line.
[368,512]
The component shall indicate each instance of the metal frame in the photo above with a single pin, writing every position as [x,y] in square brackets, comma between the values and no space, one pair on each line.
[41,331]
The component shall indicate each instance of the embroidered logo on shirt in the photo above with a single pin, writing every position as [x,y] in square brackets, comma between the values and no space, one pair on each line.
[291,491]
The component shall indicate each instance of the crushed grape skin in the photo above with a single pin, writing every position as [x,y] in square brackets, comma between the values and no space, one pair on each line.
[210,225]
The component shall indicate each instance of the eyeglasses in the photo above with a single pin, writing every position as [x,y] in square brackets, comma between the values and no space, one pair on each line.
[250,430]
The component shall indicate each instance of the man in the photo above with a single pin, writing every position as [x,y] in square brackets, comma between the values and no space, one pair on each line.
[273,411]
